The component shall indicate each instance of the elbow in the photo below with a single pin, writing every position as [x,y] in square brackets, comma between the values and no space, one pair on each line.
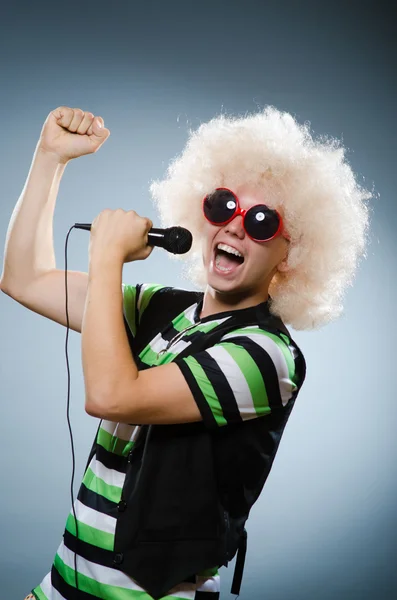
[94,407]
[91,409]
[102,406]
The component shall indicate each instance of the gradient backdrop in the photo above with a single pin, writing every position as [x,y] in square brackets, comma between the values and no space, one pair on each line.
[324,527]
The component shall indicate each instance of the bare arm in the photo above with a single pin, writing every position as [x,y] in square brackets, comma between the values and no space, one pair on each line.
[29,248]
[29,271]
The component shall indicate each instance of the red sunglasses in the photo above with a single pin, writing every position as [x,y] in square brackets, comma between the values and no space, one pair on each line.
[260,222]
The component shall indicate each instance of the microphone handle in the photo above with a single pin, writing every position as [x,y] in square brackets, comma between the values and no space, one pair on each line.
[83,226]
[155,235]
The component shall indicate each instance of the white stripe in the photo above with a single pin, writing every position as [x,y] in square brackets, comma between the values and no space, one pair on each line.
[50,592]
[287,387]
[144,287]
[123,431]
[109,476]
[158,343]
[97,572]
[189,312]
[236,379]
[208,584]
[93,518]
[117,578]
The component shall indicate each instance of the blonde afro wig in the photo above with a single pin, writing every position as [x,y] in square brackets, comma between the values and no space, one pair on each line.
[325,209]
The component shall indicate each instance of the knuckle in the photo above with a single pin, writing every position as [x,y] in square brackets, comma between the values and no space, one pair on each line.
[78,112]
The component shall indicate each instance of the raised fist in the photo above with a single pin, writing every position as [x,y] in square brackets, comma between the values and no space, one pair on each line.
[70,132]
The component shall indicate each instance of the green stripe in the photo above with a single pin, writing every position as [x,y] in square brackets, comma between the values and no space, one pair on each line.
[129,301]
[99,486]
[209,572]
[91,535]
[282,345]
[112,443]
[100,590]
[147,293]
[252,375]
[39,593]
[149,357]
[207,389]
[203,327]
[181,322]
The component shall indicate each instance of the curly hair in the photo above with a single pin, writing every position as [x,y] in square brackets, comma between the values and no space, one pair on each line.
[325,209]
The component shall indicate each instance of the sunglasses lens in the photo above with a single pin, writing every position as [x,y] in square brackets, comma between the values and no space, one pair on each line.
[261,222]
[219,206]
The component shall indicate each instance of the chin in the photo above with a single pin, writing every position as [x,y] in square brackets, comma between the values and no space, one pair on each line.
[223,283]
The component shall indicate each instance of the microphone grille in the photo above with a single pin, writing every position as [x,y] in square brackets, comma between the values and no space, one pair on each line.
[178,240]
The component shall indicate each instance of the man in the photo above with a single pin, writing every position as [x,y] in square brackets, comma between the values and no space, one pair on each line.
[193,389]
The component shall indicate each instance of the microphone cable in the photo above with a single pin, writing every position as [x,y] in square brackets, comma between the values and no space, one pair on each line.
[68,405]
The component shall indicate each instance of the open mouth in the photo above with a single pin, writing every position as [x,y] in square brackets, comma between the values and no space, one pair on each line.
[226,259]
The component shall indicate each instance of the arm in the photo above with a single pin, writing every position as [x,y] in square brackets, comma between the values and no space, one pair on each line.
[29,270]
[115,389]
[29,248]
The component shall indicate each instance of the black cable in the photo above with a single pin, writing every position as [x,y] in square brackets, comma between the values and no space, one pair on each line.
[67,406]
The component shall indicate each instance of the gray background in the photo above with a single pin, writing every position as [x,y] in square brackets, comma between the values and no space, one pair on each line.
[325,524]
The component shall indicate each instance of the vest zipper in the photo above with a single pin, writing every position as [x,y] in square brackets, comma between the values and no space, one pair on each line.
[176,338]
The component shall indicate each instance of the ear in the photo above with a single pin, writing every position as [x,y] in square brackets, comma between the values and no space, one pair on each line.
[283,265]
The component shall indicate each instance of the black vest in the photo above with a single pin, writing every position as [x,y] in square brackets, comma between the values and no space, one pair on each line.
[188,491]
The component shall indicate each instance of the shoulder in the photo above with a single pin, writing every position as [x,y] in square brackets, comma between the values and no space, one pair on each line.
[269,351]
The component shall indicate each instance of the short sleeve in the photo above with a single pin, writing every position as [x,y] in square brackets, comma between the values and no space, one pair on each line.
[136,299]
[248,374]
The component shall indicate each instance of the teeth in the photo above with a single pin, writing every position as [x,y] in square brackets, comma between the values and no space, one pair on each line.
[227,248]
[218,266]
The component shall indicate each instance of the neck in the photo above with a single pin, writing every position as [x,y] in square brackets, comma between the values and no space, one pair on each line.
[216,302]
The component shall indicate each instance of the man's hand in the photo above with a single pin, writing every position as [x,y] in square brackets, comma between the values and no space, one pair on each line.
[120,234]
[70,132]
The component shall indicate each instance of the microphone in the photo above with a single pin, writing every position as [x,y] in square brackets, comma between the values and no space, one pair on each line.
[177,240]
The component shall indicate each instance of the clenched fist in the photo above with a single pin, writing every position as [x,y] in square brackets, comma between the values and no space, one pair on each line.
[70,132]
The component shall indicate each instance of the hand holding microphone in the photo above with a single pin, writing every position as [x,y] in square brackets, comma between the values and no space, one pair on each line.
[129,237]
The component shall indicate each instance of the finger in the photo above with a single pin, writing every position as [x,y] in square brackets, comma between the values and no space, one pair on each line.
[99,120]
[98,129]
[147,251]
[63,116]
[78,116]
[85,123]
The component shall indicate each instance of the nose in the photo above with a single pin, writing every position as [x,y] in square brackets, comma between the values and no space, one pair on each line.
[235,227]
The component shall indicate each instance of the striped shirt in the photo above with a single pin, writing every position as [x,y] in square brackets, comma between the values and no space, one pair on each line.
[242,377]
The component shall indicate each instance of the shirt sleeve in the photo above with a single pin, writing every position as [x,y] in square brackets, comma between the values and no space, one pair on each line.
[244,376]
[136,299]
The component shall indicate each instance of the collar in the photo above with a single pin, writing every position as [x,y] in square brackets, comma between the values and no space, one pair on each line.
[239,313]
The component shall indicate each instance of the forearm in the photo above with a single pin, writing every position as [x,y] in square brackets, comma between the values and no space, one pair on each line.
[106,354]
[29,247]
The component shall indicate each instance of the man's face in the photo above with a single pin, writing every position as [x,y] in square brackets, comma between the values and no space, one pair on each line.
[261,259]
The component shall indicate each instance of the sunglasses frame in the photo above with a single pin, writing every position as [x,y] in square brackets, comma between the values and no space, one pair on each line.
[243,212]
